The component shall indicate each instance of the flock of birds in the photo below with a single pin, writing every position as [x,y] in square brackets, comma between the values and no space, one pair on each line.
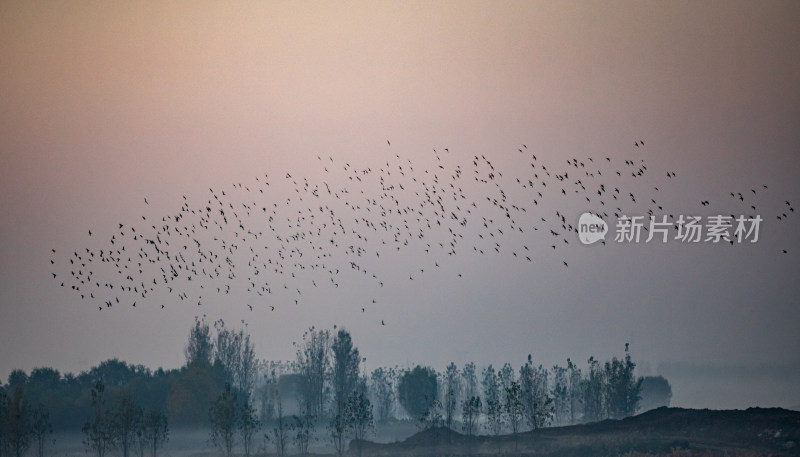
[340,229]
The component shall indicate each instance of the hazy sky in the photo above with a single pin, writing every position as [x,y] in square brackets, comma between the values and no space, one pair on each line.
[103,104]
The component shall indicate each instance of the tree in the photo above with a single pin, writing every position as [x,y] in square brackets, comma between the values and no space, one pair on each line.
[268,396]
[113,373]
[656,392]
[200,348]
[141,440]
[537,403]
[4,408]
[593,386]
[155,429]
[575,379]
[224,421]
[190,392]
[127,419]
[506,376]
[494,404]
[99,429]
[358,417]
[560,396]
[621,389]
[17,378]
[279,434]
[470,412]
[417,390]
[227,352]
[235,353]
[248,365]
[513,407]
[383,391]
[313,361]
[346,360]
[432,417]
[304,424]
[336,431]
[469,380]
[451,390]
[248,424]
[17,424]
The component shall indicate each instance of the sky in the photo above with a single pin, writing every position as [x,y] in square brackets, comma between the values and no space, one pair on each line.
[105,104]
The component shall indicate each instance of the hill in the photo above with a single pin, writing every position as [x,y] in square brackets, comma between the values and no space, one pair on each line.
[755,431]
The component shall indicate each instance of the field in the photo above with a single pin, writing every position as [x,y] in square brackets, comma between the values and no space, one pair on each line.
[671,432]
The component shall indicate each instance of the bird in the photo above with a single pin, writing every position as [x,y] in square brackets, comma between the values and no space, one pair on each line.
[249,236]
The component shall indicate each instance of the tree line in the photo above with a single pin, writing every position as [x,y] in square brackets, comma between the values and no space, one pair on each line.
[326,393]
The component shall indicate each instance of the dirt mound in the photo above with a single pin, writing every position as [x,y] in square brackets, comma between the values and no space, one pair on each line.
[759,431]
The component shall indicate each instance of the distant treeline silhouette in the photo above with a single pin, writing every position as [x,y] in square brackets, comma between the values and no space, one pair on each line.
[324,386]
